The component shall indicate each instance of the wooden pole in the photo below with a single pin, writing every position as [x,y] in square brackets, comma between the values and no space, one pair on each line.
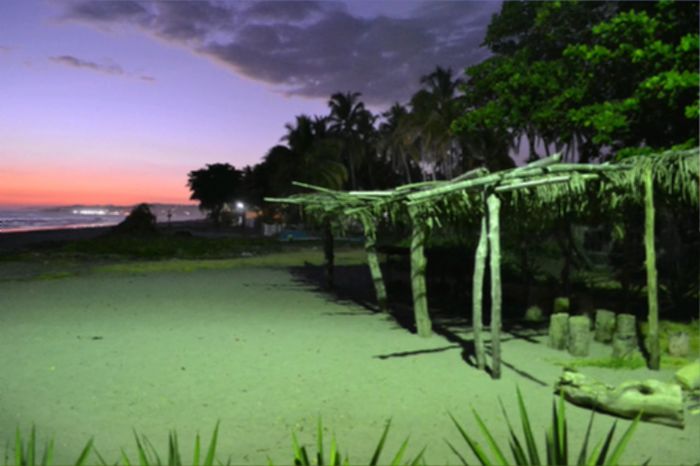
[374,267]
[477,294]
[329,257]
[418,266]
[494,206]
[652,293]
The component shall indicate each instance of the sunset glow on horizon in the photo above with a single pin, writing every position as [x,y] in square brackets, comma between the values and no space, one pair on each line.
[116,102]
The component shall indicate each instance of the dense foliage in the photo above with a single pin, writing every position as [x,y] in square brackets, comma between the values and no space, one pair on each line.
[590,78]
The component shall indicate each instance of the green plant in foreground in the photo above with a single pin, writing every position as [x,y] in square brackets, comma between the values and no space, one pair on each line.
[556,438]
[148,456]
[301,456]
[26,455]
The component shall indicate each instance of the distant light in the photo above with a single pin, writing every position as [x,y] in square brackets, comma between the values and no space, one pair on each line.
[240,205]
[90,211]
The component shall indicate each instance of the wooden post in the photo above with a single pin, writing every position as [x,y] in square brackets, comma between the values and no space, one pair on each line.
[494,206]
[418,266]
[558,330]
[652,294]
[329,257]
[579,335]
[373,261]
[625,338]
[477,292]
[604,325]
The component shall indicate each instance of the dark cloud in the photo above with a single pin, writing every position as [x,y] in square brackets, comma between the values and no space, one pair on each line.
[74,62]
[70,60]
[314,48]
[111,11]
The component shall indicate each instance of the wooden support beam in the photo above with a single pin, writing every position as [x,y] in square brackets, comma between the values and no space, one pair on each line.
[374,266]
[494,207]
[418,266]
[328,255]
[477,294]
[652,290]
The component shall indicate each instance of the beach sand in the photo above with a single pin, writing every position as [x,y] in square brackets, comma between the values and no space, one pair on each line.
[266,354]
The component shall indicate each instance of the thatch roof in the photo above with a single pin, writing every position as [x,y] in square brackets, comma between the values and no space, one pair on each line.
[541,184]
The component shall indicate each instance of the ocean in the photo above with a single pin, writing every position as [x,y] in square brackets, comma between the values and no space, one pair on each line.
[50,218]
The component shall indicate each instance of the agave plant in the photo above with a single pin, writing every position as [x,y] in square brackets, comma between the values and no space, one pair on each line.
[556,440]
[26,455]
[301,456]
[148,455]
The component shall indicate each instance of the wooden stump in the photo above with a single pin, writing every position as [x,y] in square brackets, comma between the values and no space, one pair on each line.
[625,338]
[579,335]
[558,330]
[659,402]
[604,325]
[534,314]
[679,344]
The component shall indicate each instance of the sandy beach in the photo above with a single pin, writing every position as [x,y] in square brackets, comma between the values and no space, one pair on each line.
[266,354]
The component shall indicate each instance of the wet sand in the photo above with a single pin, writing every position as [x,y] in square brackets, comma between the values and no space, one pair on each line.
[264,353]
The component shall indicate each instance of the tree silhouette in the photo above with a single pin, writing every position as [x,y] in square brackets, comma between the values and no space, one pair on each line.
[213,187]
[348,119]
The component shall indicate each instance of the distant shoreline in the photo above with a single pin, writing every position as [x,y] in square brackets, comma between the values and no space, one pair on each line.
[16,240]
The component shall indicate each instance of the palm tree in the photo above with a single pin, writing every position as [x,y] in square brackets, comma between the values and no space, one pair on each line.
[433,110]
[397,141]
[313,153]
[348,116]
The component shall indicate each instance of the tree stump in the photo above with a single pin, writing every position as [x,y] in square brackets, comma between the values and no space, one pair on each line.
[604,325]
[679,344]
[625,338]
[579,340]
[558,330]
[659,402]
[534,314]
[561,304]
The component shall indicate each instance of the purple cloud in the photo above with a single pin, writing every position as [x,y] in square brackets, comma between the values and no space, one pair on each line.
[312,48]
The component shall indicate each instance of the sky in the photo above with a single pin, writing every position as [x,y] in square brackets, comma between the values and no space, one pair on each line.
[114,102]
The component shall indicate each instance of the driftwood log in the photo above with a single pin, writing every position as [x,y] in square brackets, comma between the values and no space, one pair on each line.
[659,402]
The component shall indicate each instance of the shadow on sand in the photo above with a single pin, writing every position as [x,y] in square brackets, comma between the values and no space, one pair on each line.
[353,285]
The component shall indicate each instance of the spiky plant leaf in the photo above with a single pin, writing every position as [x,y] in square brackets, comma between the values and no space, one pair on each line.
[209,461]
[319,443]
[195,459]
[623,442]
[84,454]
[380,445]
[456,452]
[474,445]
[581,461]
[527,431]
[493,445]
